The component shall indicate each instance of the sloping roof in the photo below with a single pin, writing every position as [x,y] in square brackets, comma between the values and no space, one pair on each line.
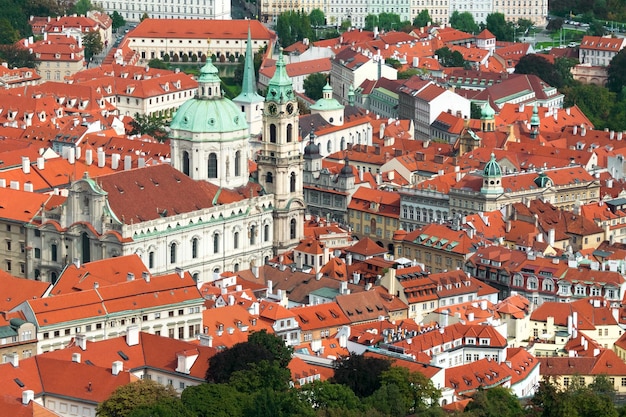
[201,29]
[366,247]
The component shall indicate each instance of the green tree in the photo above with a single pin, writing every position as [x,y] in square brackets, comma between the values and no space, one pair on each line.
[164,407]
[501,29]
[8,34]
[269,403]
[554,24]
[617,72]
[148,125]
[371,21]
[13,12]
[317,18]
[292,27]
[463,21]
[494,402]
[596,28]
[43,8]
[417,390]
[260,375]
[541,67]
[137,394]
[564,66]
[81,7]
[360,373]
[423,19]
[144,16]
[92,44]
[475,111]
[158,63]
[524,25]
[449,58]
[389,400]
[215,400]
[314,84]
[594,101]
[17,56]
[389,21]
[326,395]
[117,20]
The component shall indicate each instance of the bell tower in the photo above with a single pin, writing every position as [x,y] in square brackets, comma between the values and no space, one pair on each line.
[280,163]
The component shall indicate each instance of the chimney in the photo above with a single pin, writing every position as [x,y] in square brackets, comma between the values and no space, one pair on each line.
[101,158]
[115,161]
[96,285]
[270,286]
[81,341]
[41,162]
[88,157]
[128,162]
[26,165]
[132,335]
[551,236]
[180,272]
[255,271]
[27,396]
[117,367]
[71,155]
[483,305]
[76,357]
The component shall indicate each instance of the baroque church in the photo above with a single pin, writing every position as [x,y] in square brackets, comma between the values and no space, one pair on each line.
[204,213]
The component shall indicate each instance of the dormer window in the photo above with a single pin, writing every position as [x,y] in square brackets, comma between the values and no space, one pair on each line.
[57,56]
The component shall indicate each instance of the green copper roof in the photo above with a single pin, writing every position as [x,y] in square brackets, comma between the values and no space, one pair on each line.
[534,120]
[209,116]
[327,102]
[280,88]
[492,168]
[208,73]
[248,88]
[543,180]
[487,112]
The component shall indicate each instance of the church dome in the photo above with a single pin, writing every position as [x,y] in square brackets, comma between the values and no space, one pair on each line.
[487,112]
[492,168]
[209,111]
[543,181]
[311,151]
[327,102]
[346,170]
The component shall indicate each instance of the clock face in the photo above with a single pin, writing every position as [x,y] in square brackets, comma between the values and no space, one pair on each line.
[272,109]
[290,108]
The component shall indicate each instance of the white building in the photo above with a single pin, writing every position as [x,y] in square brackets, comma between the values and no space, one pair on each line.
[133,11]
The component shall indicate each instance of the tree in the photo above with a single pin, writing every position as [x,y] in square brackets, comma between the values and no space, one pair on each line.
[554,24]
[144,16]
[43,8]
[261,375]
[214,400]
[596,28]
[13,13]
[524,25]
[158,63]
[326,395]
[317,18]
[448,58]
[371,21]
[541,67]
[501,29]
[261,346]
[17,57]
[293,26]
[92,44]
[314,84]
[494,402]
[463,22]
[148,125]
[418,391]
[594,101]
[617,72]
[81,7]
[137,394]
[423,19]
[8,34]
[164,407]
[117,20]
[360,373]
[388,399]
[389,21]
[564,66]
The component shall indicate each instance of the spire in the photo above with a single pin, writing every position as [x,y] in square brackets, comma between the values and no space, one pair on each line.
[280,88]
[534,122]
[209,83]
[248,88]
[351,95]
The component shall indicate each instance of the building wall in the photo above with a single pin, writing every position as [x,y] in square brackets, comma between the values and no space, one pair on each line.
[13,248]
[202,9]
[58,70]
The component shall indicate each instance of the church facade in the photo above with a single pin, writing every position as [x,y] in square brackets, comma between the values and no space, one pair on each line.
[202,214]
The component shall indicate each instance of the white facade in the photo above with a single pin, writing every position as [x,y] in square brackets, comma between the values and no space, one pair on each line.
[202,9]
[513,10]
[479,9]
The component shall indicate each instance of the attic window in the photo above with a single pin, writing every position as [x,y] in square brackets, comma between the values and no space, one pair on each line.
[122,355]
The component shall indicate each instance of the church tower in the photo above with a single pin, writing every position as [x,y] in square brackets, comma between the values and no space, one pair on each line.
[534,122]
[250,102]
[280,163]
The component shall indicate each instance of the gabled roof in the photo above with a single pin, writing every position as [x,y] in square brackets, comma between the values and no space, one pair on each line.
[320,316]
[605,363]
[202,29]
[369,305]
[366,247]
[17,290]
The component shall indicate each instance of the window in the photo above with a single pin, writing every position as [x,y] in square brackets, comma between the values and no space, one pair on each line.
[292,228]
[37,253]
[173,253]
[150,259]
[266,233]
[236,240]
[269,178]
[212,165]
[292,182]
[181,332]
[237,163]
[252,234]
[53,252]
[216,243]
[194,248]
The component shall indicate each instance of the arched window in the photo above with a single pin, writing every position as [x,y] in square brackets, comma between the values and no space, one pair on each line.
[150,259]
[373,226]
[212,167]
[195,277]
[236,240]
[237,163]
[252,233]
[236,267]
[292,182]
[173,248]
[292,229]
[216,242]
[266,233]
[343,144]
[53,252]
[329,147]
[269,178]
[86,246]
[186,163]
[289,132]
[194,248]
[273,133]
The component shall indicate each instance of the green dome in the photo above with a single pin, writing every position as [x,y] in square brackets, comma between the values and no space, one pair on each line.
[492,168]
[209,116]
[534,120]
[543,181]
[487,112]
